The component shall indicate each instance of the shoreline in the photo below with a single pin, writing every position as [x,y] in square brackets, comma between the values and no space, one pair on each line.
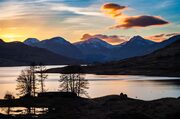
[96,71]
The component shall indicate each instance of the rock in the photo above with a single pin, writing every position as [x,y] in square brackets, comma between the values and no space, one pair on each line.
[123,96]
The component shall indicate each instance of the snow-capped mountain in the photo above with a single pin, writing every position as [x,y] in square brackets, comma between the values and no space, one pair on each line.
[58,40]
[137,41]
[60,46]
[93,42]
[136,46]
[31,41]
[140,41]
[94,49]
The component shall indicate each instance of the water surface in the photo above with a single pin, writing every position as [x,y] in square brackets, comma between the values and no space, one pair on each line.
[141,87]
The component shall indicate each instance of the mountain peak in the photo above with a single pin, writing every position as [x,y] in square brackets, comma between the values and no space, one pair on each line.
[140,40]
[95,42]
[58,40]
[135,38]
[30,41]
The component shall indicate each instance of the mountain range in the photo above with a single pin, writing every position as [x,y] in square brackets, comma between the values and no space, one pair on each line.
[57,50]
[97,50]
[162,62]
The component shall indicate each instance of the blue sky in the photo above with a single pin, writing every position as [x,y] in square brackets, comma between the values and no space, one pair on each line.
[20,19]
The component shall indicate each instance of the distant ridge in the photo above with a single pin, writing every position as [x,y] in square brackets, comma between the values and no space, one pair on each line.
[17,53]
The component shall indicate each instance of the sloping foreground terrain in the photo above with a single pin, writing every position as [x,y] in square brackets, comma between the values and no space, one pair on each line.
[108,107]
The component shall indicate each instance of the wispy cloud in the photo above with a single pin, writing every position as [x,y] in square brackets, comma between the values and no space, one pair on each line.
[38,8]
[89,11]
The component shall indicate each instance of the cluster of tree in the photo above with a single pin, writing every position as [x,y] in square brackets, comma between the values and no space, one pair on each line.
[29,80]
[75,83]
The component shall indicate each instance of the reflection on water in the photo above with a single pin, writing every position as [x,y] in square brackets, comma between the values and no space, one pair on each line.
[142,87]
[22,110]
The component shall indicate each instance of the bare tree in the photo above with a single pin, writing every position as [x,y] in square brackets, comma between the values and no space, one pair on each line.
[42,76]
[8,96]
[75,83]
[26,82]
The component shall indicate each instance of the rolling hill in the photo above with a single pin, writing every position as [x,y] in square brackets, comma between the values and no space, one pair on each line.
[17,53]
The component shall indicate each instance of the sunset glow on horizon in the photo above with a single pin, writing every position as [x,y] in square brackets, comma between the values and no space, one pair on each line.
[117,19]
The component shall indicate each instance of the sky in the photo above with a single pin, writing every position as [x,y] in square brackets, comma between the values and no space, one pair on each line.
[112,20]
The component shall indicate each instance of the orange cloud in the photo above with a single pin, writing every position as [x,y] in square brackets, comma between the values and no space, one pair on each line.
[161,37]
[112,9]
[141,21]
[113,39]
[125,21]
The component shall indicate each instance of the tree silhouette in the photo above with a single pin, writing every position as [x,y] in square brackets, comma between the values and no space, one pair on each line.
[75,83]
[42,76]
[26,82]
